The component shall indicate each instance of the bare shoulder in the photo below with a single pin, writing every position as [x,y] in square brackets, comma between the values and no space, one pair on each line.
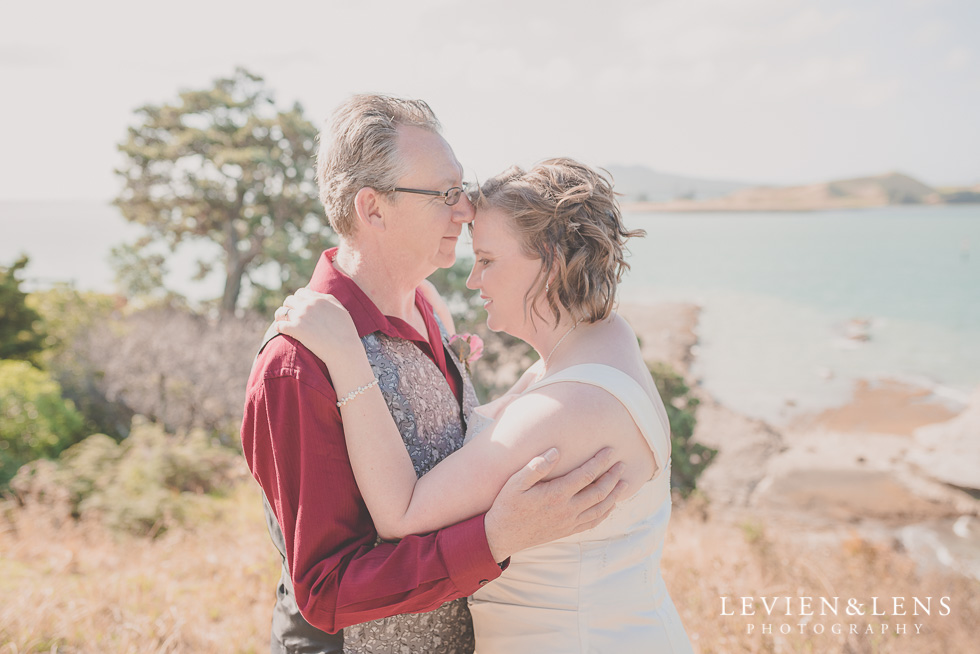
[621,326]
[579,419]
[562,406]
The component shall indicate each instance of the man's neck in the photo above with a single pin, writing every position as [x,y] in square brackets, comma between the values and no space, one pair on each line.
[392,293]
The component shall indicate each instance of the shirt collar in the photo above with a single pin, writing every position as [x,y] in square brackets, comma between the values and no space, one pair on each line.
[365,314]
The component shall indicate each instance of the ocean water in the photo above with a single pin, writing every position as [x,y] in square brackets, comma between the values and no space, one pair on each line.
[781,293]
[777,291]
[70,242]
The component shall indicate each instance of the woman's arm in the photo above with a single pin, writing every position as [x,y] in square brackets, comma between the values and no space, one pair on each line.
[382,466]
[579,420]
[466,482]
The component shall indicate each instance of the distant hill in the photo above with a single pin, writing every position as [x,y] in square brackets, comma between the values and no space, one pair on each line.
[861,192]
[877,191]
[961,194]
[642,184]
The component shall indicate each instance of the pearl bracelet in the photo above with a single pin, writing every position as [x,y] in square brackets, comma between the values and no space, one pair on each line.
[354,393]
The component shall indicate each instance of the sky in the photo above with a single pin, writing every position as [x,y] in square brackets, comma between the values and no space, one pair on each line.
[765,91]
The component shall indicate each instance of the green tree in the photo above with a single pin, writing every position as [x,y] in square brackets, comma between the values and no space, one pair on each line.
[225,165]
[35,421]
[20,334]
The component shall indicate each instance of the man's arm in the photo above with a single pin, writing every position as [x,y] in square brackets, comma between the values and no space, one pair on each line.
[294,445]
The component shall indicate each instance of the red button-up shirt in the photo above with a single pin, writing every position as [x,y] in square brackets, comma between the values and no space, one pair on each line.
[293,440]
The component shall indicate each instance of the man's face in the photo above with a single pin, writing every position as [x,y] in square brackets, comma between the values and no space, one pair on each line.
[423,229]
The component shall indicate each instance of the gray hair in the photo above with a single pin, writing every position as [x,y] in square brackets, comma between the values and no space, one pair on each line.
[360,150]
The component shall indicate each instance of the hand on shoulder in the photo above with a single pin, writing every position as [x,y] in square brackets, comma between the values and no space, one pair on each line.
[319,321]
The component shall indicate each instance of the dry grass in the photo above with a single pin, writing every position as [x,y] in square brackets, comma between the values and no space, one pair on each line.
[74,587]
[752,556]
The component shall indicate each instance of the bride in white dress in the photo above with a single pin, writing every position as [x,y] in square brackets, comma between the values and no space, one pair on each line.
[549,245]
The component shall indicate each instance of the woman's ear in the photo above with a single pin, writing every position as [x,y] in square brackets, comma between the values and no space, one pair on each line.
[368,203]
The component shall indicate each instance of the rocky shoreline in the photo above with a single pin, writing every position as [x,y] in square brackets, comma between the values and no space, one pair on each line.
[895,464]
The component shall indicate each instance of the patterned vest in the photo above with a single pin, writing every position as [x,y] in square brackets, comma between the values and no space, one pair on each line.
[428,418]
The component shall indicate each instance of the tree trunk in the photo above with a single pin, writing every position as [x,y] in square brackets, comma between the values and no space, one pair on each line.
[234,268]
[233,287]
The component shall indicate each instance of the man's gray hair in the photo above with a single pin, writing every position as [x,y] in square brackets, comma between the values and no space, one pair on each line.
[360,150]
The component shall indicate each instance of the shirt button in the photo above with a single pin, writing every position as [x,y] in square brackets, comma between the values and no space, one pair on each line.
[484,582]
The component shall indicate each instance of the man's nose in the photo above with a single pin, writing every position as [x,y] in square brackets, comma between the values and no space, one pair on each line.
[463,211]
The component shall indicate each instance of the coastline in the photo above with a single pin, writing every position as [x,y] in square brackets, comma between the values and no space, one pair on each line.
[727,205]
[856,467]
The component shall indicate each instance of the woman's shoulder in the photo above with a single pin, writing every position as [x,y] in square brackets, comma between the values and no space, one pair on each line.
[579,418]
[621,325]
[564,406]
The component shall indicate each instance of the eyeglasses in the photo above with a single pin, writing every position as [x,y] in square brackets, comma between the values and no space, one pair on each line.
[451,196]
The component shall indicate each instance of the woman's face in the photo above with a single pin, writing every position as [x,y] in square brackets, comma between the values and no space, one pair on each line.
[502,272]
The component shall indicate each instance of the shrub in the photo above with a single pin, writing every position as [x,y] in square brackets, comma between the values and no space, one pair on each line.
[688,459]
[182,370]
[35,421]
[79,336]
[149,482]
[20,336]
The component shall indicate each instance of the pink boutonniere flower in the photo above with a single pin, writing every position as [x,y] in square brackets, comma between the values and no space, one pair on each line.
[467,348]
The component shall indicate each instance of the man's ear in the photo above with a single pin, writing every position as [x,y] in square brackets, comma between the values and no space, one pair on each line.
[368,203]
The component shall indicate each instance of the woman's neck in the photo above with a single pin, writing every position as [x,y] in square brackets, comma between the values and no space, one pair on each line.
[554,341]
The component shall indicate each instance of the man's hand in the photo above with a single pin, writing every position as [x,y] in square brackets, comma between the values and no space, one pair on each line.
[529,512]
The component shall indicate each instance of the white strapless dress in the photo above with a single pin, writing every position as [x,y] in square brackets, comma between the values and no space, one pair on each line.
[600,590]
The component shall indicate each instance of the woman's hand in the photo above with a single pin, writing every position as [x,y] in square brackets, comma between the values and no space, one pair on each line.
[320,322]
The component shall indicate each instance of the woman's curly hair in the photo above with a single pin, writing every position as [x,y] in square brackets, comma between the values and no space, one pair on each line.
[566,214]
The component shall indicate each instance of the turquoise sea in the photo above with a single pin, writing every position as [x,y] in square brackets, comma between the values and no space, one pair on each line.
[782,292]
[777,291]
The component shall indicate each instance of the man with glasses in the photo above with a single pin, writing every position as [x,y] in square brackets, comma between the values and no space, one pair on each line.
[394,193]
